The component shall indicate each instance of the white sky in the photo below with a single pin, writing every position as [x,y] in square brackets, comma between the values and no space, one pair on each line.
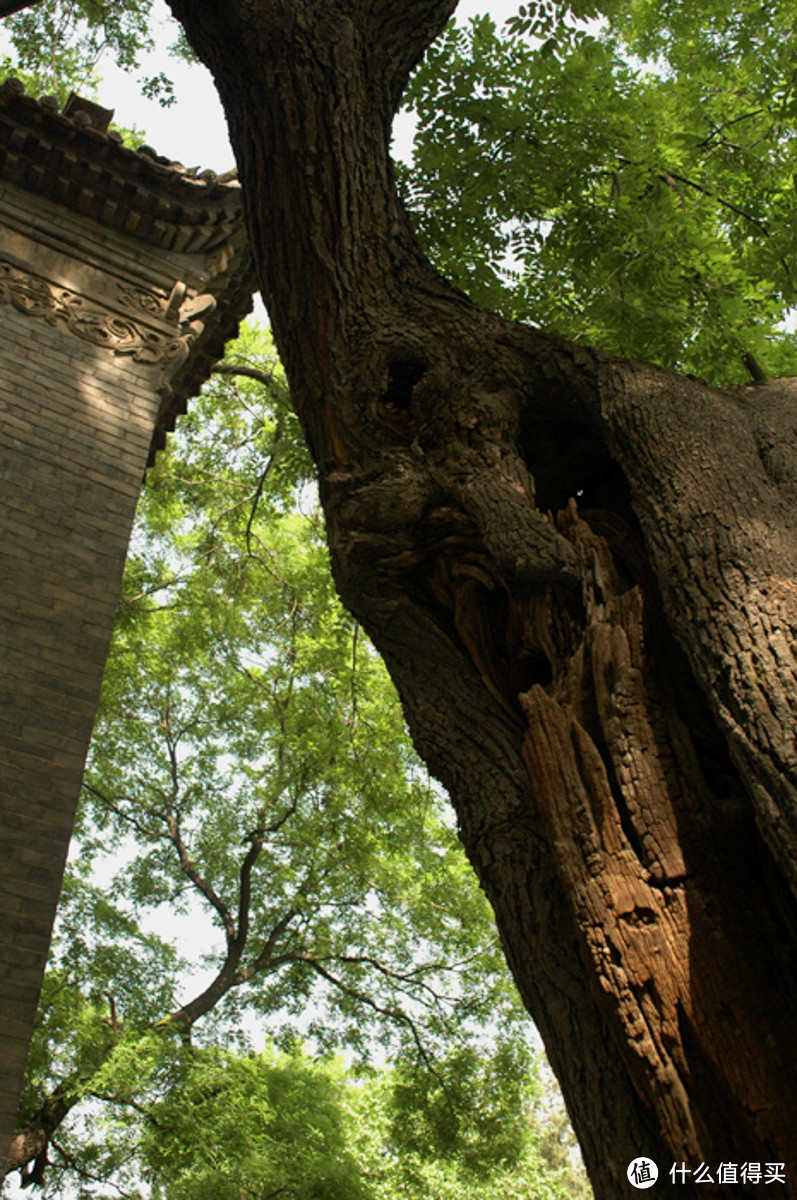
[193,130]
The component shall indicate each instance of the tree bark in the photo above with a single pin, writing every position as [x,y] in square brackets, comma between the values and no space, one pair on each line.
[28,1150]
[580,572]
[9,7]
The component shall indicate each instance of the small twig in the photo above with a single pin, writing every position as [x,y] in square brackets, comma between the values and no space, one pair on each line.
[261,483]
[669,177]
[113,1023]
[175,836]
[115,807]
[354,711]
[127,1102]
[395,1014]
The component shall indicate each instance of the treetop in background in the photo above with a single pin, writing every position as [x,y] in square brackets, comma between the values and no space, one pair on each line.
[250,772]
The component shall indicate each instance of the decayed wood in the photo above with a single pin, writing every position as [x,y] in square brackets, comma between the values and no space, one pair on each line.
[675,941]
[713,477]
[607,694]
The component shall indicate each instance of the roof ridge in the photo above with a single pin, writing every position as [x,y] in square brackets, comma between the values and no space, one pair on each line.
[13,89]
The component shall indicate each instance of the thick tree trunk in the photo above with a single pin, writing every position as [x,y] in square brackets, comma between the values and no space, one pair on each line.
[581,575]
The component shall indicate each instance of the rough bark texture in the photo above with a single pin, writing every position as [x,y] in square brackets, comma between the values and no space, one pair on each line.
[580,572]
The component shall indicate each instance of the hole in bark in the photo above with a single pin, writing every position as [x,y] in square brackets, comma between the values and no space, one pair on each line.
[571,461]
[529,670]
[402,378]
[640,916]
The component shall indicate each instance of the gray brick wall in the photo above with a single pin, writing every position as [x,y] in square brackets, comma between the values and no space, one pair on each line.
[106,328]
[75,427]
[76,424]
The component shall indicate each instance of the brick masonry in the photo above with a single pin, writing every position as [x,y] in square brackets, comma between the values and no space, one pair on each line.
[69,479]
[91,342]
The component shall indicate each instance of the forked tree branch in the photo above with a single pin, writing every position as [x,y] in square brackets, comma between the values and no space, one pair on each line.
[29,1145]
[394,1014]
[83,1172]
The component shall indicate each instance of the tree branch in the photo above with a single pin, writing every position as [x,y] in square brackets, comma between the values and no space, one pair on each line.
[261,483]
[176,838]
[398,35]
[128,1102]
[265,957]
[670,177]
[83,1173]
[406,979]
[200,883]
[230,977]
[395,1014]
[30,1144]
[245,889]
[115,807]
[265,377]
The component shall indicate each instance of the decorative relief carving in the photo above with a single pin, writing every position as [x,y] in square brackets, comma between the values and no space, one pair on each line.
[143,298]
[35,297]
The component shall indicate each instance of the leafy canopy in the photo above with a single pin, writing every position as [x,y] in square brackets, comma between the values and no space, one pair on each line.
[57,46]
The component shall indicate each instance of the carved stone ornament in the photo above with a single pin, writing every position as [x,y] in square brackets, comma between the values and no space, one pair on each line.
[142,298]
[35,297]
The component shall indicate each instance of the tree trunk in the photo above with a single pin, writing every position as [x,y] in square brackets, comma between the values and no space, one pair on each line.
[580,572]
[28,1150]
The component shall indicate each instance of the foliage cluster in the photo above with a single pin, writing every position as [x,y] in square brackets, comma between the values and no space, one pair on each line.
[621,174]
[261,859]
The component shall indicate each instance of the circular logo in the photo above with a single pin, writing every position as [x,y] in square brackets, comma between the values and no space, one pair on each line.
[642,1172]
